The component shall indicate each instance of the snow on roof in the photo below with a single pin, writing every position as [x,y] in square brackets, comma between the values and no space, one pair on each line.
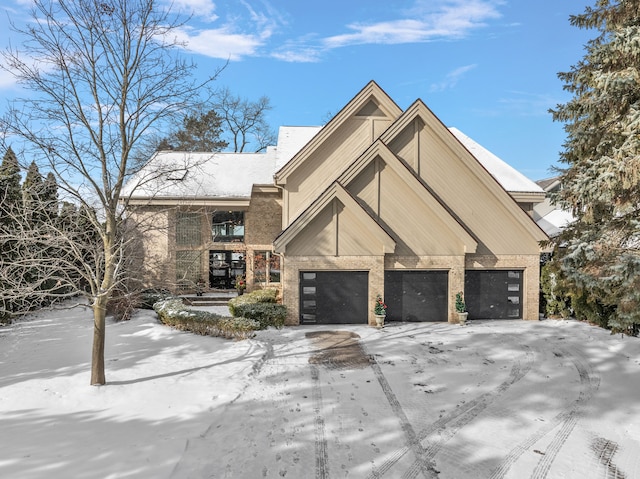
[510,178]
[232,175]
[291,139]
[220,175]
[555,221]
[217,175]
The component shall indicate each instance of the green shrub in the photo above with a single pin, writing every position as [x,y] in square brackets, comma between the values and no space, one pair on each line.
[556,292]
[267,314]
[261,306]
[258,296]
[173,313]
[264,295]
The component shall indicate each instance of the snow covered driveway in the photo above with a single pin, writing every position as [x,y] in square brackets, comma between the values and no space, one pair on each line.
[502,399]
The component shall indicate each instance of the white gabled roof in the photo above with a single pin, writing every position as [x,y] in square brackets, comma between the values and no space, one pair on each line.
[191,174]
[510,178]
[232,175]
[291,139]
[172,174]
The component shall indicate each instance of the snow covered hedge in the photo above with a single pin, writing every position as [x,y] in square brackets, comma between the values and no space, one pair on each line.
[260,306]
[172,312]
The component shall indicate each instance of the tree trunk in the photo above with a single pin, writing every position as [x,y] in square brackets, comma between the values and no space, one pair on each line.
[97,356]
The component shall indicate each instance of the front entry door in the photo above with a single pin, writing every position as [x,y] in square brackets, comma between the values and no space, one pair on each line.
[224,266]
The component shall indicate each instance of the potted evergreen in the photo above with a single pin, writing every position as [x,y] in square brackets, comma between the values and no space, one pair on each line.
[461,308]
[380,311]
[241,284]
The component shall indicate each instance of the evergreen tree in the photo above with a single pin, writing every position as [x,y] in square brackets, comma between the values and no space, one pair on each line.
[32,189]
[49,197]
[10,194]
[199,132]
[10,210]
[600,253]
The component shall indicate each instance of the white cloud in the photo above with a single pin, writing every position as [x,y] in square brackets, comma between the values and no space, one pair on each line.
[298,55]
[425,21]
[7,80]
[451,79]
[241,32]
[200,8]
[221,43]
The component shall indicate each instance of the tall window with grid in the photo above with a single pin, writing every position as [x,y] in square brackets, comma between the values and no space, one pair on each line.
[188,229]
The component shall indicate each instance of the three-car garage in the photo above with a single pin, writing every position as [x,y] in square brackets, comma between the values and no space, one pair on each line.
[341,297]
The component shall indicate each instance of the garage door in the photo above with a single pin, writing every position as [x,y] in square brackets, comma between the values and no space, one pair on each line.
[333,297]
[416,295]
[494,294]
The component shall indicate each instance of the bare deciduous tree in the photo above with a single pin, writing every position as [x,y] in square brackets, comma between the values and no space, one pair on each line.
[103,74]
[244,121]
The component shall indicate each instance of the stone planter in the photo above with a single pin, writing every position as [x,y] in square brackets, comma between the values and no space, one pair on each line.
[462,318]
[380,320]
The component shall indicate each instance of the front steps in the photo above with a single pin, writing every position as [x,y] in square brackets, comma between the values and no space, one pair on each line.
[210,298]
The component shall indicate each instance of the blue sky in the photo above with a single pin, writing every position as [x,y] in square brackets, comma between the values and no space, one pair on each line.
[487,67]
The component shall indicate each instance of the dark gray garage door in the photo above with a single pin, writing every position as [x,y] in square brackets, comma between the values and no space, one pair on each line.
[334,297]
[416,295]
[493,294]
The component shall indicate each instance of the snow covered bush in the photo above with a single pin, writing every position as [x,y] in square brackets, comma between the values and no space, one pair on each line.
[258,296]
[172,312]
[149,297]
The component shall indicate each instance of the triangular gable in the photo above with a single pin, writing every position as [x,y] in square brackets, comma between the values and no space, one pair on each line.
[356,223]
[404,138]
[433,210]
[341,140]
[370,101]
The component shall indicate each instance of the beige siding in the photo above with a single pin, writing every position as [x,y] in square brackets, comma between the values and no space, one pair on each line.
[365,187]
[318,237]
[480,207]
[418,229]
[323,165]
[353,235]
[335,231]
[406,144]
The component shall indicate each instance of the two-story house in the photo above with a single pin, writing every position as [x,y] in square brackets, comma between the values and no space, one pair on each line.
[377,201]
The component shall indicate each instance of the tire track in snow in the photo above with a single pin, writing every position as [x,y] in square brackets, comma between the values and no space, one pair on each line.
[422,463]
[590,386]
[567,419]
[322,457]
[448,425]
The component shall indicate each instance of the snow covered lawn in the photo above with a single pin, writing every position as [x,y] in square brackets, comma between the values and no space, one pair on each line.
[550,399]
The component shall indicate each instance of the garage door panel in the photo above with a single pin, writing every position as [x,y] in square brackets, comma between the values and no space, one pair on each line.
[333,297]
[416,295]
[494,294]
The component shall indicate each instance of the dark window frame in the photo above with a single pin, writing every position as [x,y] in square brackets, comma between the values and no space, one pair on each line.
[227,227]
